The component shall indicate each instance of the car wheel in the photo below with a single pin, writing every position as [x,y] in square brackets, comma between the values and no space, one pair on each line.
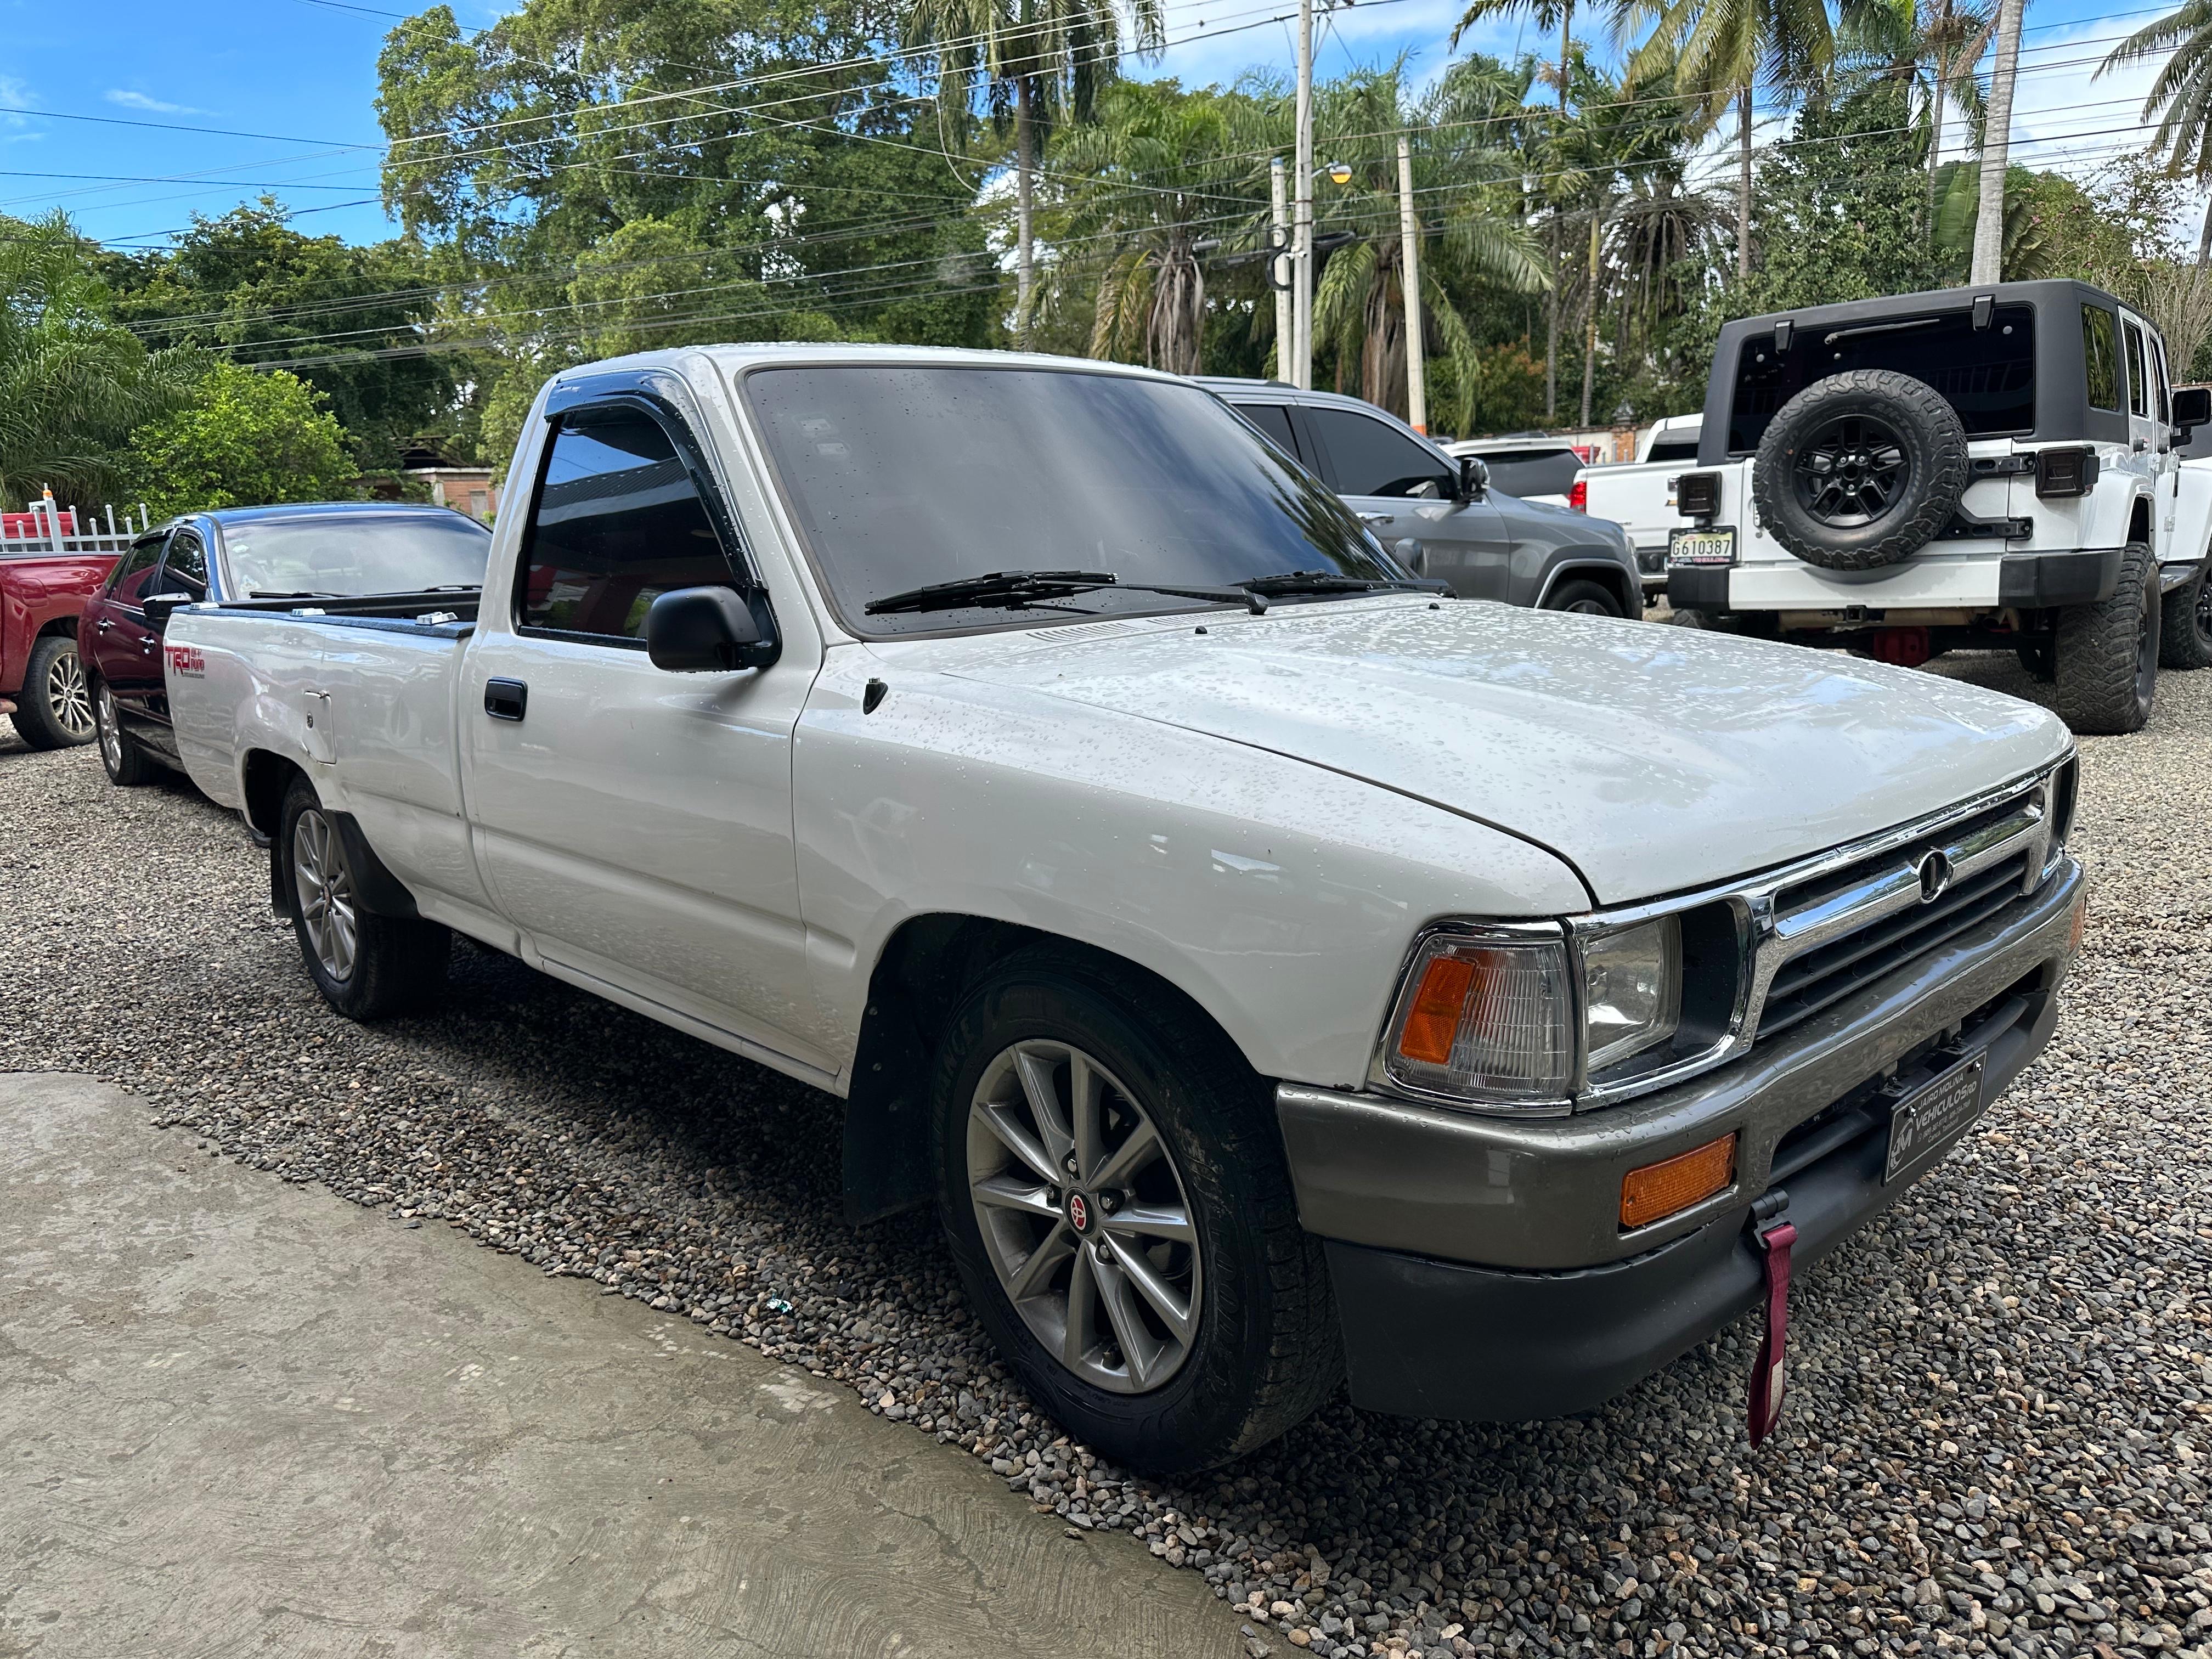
[2106,655]
[2035,657]
[2184,628]
[1113,1185]
[365,964]
[126,763]
[55,708]
[1584,598]
[1861,470]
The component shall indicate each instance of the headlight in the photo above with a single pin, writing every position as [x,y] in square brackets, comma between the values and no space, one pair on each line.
[1631,990]
[1486,1018]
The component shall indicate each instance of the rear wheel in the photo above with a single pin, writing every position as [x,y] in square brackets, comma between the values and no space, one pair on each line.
[126,763]
[1584,598]
[366,965]
[55,708]
[1112,1186]
[2106,655]
[2184,628]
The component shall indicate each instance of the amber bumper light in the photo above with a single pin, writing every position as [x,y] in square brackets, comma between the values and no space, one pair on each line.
[1659,1190]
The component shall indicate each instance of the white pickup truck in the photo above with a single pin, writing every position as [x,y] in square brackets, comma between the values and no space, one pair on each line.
[1638,495]
[1269,967]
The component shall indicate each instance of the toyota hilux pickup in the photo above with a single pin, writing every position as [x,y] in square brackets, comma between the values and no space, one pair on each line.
[1270,967]
[1986,468]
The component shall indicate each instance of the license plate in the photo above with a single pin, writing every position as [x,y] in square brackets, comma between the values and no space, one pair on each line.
[1931,1115]
[1701,546]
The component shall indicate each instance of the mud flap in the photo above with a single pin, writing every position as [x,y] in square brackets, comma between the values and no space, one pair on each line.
[1772,1237]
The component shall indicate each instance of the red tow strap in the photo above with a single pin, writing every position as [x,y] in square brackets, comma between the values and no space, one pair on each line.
[1766,1381]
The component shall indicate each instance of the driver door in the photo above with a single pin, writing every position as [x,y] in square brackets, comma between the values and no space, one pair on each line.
[1402,490]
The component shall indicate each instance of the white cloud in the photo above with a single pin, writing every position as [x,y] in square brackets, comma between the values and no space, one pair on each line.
[140,100]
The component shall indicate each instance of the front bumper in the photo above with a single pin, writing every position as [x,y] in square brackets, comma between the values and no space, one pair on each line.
[1479,1265]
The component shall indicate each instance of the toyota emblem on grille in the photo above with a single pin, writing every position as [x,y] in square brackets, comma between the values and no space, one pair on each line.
[1934,876]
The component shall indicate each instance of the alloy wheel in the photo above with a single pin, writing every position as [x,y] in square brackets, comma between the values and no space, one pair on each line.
[110,734]
[69,696]
[1084,1216]
[323,882]
[1850,472]
[2200,614]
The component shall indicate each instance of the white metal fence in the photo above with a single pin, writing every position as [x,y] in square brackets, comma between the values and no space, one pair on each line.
[45,526]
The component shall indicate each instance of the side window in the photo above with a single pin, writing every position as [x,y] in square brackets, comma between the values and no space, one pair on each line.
[617,523]
[185,566]
[2138,373]
[1371,458]
[1275,419]
[2164,393]
[128,583]
[2100,357]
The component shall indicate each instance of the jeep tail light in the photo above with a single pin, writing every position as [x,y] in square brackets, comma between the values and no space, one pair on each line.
[1485,1020]
[2063,472]
[1697,495]
[1578,496]
[1671,1185]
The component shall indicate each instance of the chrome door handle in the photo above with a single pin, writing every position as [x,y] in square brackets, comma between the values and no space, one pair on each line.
[102,626]
[1377,518]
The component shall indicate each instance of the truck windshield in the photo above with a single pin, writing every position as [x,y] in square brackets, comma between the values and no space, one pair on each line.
[906,476]
[1987,374]
[348,555]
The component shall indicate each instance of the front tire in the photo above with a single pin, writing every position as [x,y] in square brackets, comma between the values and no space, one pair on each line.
[2184,627]
[2106,655]
[366,965]
[125,762]
[1112,1186]
[1585,599]
[55,708]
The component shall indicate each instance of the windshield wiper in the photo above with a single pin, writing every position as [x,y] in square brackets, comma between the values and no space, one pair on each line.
[451,587]
[1332,581]
[1014,589]
[296,593]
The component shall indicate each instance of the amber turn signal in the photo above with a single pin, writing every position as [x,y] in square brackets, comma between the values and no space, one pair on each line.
[1659,1190]
[1433,1021]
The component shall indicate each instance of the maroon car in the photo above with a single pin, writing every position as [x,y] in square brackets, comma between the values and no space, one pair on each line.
[47,574]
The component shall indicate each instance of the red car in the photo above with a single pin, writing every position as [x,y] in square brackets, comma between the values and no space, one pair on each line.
[42,594]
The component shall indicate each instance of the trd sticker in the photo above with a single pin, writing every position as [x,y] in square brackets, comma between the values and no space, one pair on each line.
[187,660]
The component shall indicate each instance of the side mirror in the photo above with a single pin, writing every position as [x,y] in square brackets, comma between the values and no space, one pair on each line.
[159,607]
[705,630]
[1474,478]
[2192,407]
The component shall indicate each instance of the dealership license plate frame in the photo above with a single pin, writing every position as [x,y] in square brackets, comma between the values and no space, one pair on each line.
[1716,545]
[1934,1114]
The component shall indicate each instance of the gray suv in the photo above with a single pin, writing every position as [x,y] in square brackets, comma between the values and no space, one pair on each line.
[1438,515]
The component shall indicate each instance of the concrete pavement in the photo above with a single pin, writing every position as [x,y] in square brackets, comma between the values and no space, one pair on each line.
[242,1417]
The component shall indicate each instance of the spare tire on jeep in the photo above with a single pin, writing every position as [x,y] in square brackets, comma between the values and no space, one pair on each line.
[1861,470]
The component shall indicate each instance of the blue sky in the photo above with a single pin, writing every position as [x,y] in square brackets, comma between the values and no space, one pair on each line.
[302,75]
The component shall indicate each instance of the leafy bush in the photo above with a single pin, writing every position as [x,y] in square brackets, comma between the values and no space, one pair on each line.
[245,439]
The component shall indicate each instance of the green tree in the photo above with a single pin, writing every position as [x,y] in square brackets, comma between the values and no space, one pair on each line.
[246,438]
[73,383]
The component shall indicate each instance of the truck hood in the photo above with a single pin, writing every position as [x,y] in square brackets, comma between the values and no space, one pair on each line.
[1653,759]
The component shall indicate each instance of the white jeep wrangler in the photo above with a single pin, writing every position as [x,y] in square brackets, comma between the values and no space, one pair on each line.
[1990,468]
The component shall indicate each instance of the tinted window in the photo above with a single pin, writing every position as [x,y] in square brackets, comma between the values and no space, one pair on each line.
[1673,449]
[1275,419]
[1547,471]
[346,554]
[1370,457]
[1987,374]
[2158,367]
[617,523]
[903,475]
[2100,357]
[2138,373]
[129,580]
[186,563]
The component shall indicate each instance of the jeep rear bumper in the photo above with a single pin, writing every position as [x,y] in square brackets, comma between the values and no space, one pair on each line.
[1935,581]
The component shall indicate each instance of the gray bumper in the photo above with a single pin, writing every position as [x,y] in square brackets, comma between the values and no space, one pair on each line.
[1479,1264]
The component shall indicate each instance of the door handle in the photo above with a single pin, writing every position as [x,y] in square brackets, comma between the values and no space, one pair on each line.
[102,626]
[1377,518]
[505,700]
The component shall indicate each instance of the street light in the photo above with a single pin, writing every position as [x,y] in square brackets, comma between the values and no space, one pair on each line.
[1339,173]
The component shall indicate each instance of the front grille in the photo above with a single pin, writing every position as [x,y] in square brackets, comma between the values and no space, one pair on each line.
[1805,985]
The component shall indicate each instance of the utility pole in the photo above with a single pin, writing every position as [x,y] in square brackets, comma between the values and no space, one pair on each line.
[1997,145]
[1409,281]
[1280,276]
[1302,247]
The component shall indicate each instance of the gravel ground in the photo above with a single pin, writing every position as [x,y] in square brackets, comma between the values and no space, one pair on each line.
[2000,1416]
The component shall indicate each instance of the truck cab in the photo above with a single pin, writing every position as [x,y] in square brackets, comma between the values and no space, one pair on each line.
[1990,468]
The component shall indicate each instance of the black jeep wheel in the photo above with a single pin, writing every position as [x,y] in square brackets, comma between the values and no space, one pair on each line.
[1861,470]
[2107,654]
[2184,631]
[1112,1182]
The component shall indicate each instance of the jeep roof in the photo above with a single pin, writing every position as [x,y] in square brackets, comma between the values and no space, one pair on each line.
[2008,356]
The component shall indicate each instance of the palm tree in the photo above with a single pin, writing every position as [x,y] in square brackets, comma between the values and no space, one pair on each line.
[2181,96]
[1721,51]
[1045,57]
[1997,146]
